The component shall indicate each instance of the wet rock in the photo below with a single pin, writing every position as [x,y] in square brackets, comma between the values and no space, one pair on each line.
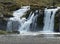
[17,32]
[13,26]
[27,14]
[51,7]
[57,21]
[3,24]
[40,19]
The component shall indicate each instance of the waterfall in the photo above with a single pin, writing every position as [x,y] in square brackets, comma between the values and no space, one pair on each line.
[15,22]
[30,20]
[49,20]
[23,24]
[26,24]
[33,26]
[22,11]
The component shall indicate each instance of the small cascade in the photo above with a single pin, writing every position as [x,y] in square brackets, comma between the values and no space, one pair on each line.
[26,24]
[22,11]
[15,22]
[49,20]
[26,27]
[33,26]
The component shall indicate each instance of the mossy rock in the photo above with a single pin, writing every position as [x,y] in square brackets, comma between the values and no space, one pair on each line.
[27,14]
[3,32]
[13,32]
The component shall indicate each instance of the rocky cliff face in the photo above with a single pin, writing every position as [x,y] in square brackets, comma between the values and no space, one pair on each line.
[57,21]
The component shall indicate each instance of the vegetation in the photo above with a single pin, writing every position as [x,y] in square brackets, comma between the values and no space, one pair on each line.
[3,32]
[7,6]
[38,2]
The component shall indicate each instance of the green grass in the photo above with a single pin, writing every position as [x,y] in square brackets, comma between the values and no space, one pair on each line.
[3,32]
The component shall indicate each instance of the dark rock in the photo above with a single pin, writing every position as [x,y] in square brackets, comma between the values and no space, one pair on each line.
[3,24]
[51,7]
[16,32]
[27,14]
[57,21]
[8,16]
[40,19]
[13,26]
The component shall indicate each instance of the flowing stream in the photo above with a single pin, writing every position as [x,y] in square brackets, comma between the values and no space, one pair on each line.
[49,20]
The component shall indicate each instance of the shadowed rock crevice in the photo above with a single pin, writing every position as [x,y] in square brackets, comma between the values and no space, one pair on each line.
[57,21]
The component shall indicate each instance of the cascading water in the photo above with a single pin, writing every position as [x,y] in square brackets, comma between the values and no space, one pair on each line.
[48,28]
[33,26]
[14,22]
[22,24]
[26,26]
[49,20]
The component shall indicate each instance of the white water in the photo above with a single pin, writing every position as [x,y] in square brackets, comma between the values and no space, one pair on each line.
[23,25]
[15,22]
[49,20]
[22,11]
[26,26]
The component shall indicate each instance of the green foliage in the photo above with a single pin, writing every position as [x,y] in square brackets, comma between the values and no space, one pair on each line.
[3,32]
[32,2]
[38,2]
